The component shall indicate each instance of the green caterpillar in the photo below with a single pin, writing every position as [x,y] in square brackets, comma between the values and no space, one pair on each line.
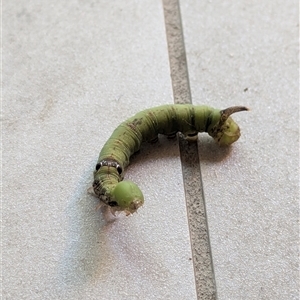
[114,157]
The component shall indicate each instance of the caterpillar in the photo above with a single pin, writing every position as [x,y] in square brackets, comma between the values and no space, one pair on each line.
[125,195]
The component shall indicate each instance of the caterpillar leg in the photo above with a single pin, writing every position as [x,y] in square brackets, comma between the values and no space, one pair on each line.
[100,205]
[191,137]
[90,191]
[172,135]
[154,140]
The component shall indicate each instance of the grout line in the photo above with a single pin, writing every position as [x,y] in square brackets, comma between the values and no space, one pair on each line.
[196,212]
[177,55]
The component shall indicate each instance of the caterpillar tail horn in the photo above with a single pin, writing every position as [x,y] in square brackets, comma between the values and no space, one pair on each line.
[226,131]
[225,113]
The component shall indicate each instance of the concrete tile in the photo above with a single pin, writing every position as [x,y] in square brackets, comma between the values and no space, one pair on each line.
[72,72]
[246,54]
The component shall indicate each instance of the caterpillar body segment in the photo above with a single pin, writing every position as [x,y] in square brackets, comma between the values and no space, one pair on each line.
[145,126]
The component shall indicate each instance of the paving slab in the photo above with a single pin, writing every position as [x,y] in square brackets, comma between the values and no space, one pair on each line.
[72,72]
[246,53]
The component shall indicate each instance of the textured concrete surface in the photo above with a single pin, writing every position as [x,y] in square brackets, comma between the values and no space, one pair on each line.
[71,72]
[245,53]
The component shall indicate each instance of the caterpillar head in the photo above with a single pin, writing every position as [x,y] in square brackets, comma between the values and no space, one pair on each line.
[223,129]
[127,197]
[112,191]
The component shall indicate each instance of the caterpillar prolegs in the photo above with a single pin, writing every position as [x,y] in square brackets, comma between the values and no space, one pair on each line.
[114,157]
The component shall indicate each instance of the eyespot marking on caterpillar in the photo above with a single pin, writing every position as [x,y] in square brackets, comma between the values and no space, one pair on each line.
[126,140]
[109,163]
[119,169]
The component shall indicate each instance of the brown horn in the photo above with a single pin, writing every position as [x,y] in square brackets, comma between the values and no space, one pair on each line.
[225,113]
